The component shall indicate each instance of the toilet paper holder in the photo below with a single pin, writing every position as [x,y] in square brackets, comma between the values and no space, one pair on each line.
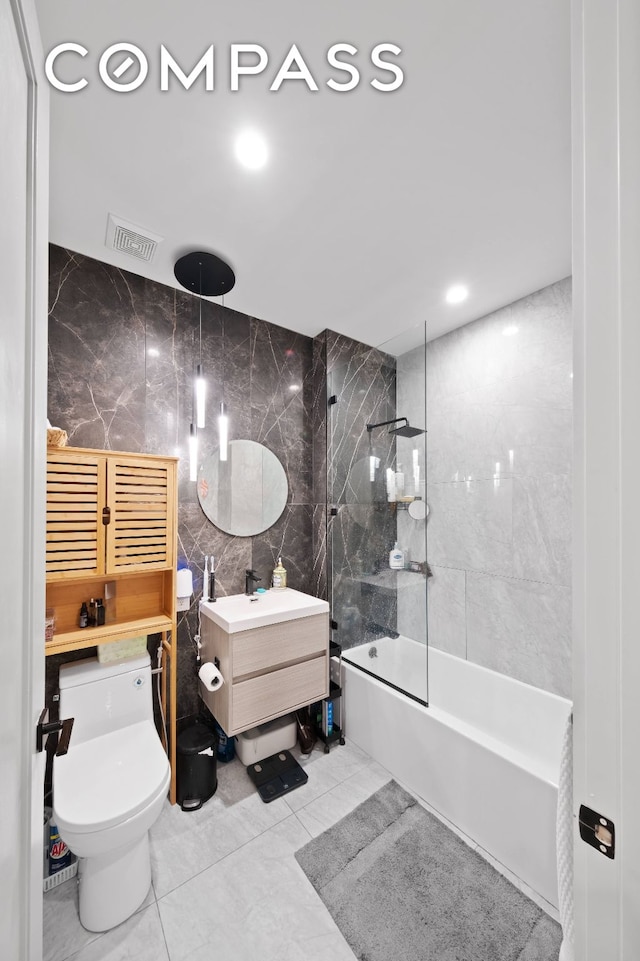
[212,680]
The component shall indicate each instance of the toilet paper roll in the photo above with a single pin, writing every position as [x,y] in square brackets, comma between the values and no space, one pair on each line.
[210,676]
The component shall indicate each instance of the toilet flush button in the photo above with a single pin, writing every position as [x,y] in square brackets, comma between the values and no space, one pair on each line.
[138,682]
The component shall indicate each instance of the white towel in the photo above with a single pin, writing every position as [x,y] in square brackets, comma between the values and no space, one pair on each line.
[564,842]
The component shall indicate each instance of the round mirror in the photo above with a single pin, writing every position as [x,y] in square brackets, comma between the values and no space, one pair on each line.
[246,493]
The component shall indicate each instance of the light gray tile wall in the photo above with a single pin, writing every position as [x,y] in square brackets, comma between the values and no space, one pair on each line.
[499,422]
[411,533]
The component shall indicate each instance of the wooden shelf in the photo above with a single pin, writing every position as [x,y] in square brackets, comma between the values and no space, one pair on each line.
[111,523]
[79,638]
[137,598]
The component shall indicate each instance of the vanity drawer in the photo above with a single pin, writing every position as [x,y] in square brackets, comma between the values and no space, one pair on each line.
[263,648]
[270,695]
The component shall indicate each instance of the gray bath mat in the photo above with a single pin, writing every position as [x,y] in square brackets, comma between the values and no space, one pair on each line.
[402,886]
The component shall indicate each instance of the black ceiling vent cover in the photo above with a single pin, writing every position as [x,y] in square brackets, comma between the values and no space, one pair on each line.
[204,273]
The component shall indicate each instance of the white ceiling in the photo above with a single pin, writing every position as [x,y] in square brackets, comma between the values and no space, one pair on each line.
[372,203]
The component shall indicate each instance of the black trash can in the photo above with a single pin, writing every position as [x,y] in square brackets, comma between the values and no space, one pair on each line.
[196,749]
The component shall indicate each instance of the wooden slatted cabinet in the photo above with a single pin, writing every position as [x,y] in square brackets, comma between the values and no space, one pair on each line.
[112,519]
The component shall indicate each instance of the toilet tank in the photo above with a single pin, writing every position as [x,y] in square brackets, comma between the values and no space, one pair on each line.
[104,697]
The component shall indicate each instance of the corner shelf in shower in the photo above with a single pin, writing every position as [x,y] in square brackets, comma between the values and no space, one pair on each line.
[402,505]
[391,580]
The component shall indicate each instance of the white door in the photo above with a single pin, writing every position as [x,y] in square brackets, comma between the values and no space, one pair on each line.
[606,175]
[23,384]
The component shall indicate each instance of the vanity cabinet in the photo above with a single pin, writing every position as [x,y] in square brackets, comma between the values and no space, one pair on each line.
[269,670]
[111,529]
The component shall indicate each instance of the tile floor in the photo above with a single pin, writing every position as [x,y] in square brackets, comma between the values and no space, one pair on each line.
[225,880]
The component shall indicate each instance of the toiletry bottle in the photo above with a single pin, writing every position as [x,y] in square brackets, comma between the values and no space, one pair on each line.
[396,558]
[279,580]
[83,620]
[391,485]
[212,581]
[99,612]
[399,483]
[92,612]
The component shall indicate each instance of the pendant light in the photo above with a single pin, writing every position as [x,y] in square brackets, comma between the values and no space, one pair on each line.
[203,273]
[223,431]
[193,453]
[223,420]
[201,384]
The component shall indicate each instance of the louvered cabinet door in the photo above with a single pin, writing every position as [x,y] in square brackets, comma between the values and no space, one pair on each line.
[141,499]
[75,497]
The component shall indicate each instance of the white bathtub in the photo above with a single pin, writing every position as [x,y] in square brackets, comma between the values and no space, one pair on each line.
[485,753]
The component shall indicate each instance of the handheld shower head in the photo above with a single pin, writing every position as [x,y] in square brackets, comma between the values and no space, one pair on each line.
[405,431]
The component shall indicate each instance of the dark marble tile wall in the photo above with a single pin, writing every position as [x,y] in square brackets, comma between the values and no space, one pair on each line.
[362,532]
[122,352]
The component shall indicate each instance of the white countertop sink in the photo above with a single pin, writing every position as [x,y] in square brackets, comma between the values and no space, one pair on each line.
[240,612]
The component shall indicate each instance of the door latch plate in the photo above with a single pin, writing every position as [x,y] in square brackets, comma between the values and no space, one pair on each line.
[598,831]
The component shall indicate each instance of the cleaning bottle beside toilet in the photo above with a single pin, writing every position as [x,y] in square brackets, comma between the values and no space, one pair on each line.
[59,853]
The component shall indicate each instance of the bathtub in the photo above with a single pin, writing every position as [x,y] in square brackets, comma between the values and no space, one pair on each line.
[485,752]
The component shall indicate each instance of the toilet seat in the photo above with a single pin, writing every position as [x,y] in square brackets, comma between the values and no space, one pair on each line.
[109,779]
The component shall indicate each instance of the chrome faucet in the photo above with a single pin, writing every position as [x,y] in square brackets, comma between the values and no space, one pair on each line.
[250,579]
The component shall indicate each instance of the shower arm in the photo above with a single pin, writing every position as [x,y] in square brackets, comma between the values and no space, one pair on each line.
[384,423]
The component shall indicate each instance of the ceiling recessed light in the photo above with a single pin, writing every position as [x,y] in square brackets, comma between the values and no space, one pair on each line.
[251,150]
[510,331]
[456,294]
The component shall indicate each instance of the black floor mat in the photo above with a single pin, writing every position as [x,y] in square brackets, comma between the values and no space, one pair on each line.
[276,775]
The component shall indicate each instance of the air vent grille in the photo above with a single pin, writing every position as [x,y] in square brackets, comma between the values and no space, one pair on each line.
[131,239]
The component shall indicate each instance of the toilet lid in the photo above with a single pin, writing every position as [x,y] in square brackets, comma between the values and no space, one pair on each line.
[110,778]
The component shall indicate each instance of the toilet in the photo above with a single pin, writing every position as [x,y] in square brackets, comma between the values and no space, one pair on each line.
[110,787]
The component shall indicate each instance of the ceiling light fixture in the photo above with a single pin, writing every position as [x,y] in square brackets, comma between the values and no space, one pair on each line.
[510,331]
[456,294]
[207,275]
[251,150]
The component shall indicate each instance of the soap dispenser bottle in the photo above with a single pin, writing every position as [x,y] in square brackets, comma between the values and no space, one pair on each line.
[396,558]
[279,580]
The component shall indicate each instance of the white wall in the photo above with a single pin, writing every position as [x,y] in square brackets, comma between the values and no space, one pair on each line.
[499,421]
[23,376]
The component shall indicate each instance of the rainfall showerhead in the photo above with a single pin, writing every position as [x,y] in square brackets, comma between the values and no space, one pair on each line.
[405,431]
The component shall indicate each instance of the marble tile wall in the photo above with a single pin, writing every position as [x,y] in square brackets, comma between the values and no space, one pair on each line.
[363,529]
[499,418]
[122,351]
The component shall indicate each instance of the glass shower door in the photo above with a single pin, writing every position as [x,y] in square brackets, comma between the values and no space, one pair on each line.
[377,512]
